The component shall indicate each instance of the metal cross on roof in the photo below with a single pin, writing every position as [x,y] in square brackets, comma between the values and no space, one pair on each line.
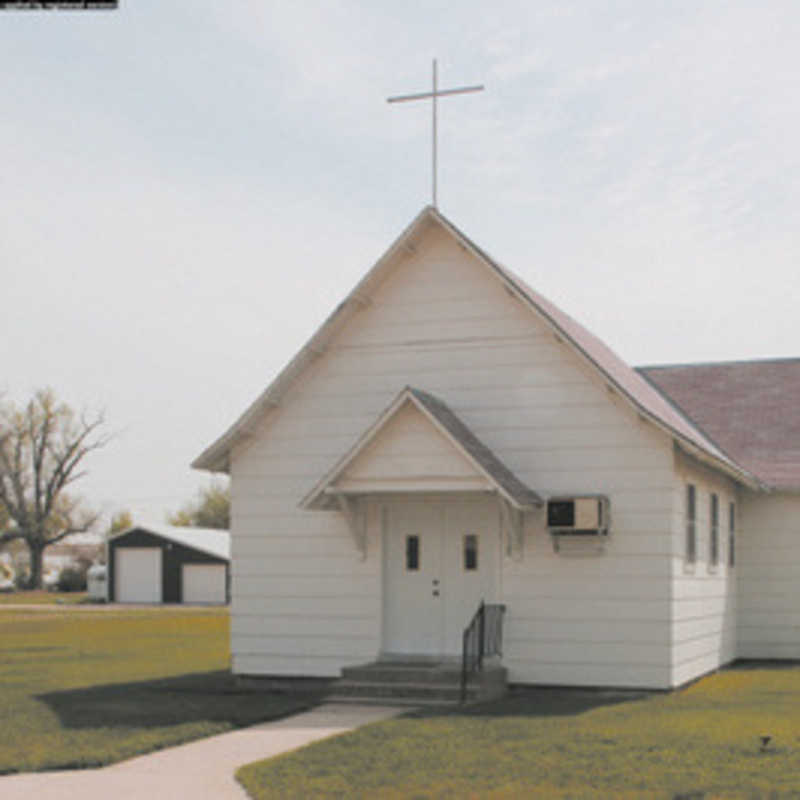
[434,95]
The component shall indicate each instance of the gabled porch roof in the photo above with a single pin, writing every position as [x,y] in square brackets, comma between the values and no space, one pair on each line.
[491,473]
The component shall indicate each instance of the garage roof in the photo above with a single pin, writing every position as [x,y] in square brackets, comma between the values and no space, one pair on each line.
[211,541]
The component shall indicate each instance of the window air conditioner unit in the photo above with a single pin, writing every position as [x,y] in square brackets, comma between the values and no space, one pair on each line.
[578,516]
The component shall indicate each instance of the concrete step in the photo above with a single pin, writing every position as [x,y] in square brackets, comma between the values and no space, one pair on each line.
[417,690]
[404,702]
[441,674]
[417,683]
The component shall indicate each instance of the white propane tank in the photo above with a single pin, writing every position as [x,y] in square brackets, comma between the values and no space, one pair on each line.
[96,582]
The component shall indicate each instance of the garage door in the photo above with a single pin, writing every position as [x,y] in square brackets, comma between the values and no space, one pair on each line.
[204,583]
[138,574]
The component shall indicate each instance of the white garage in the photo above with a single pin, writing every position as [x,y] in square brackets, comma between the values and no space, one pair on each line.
[204,583]
[138,575]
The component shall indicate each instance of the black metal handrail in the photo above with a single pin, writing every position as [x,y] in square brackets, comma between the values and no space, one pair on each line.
[483,637]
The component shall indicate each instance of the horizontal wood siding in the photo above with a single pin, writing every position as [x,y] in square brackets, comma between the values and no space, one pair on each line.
[704,596]
[303,602]
[769,576]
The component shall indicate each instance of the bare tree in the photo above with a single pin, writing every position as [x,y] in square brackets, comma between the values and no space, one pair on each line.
[42,449]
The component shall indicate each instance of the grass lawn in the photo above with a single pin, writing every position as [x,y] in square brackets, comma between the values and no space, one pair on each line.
[40,597]
[82,688]
[700,742]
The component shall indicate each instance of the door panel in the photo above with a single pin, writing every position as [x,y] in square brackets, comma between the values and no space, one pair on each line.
[204,583]
[138,574]
[467,583]
[412,596]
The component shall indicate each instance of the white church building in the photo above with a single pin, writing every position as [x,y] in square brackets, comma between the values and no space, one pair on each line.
[449,436]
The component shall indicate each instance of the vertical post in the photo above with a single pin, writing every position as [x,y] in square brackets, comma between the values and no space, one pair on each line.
[464,646]
[481,633]
[435,95]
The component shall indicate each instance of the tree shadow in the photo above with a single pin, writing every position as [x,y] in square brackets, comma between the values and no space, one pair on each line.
[196,697]
[542,701]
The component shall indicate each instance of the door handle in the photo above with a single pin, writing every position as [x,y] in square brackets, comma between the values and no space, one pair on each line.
[435,581]
[435,592]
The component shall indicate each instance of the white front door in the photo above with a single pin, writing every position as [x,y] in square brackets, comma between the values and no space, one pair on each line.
[440,561]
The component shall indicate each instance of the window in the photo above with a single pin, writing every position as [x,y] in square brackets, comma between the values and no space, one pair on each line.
[470,552]
[713,553]
[691,525]
[412,553]
[731,535]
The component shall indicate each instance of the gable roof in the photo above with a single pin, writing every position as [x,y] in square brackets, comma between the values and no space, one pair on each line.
[749,407]
[621,378]
[212,541]
[483,460]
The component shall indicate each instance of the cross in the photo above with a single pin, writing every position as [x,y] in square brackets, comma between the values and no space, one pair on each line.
[434,95]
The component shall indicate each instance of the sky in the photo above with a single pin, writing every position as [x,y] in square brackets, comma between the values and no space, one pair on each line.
[188,189]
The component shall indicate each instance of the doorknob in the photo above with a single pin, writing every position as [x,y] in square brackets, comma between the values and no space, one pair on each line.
[435,581]
[435,592]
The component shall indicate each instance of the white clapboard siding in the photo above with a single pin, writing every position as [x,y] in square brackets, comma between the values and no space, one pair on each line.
[442,323]
[704,596]
[625,674]
[768,553]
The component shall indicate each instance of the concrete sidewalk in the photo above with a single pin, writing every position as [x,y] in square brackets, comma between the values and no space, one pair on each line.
[199,770]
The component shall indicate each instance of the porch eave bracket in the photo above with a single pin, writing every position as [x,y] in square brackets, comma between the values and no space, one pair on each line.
[355,515]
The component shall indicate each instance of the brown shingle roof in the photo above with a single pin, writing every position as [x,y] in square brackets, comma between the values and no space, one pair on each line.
[751,409]
[625,378]
[522,495]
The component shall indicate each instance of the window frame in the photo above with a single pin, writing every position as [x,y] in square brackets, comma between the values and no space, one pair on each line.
[465,562]
[413,552]
[690,553]
[713,526]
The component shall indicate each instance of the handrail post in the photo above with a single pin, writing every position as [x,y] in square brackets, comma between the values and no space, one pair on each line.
[464,644]
[473,643]
[481,633]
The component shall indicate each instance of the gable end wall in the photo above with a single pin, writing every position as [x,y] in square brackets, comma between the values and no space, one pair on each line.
[304,604]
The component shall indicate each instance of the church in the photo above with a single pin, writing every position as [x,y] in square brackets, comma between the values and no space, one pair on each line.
[449,438]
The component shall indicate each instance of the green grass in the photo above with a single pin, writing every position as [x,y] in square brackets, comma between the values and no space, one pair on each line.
[40,597]
[698,742]
[82,688]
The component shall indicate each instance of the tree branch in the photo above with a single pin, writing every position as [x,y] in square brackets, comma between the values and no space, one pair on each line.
[12,535]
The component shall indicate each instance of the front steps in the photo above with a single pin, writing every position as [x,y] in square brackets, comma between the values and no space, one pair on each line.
[416,683]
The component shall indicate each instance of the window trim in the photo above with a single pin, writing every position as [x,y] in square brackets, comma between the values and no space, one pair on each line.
[713,525]
[466,551]
[412,552]
[690,543]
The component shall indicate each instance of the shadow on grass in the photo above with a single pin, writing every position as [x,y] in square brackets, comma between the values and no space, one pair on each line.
[197,697]
[531,701]
[763,663]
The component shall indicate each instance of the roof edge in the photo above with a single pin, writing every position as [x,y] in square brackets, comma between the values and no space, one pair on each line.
[409,394]
[163,531]
[215,457]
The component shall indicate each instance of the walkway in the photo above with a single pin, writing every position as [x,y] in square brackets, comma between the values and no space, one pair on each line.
[201,770]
